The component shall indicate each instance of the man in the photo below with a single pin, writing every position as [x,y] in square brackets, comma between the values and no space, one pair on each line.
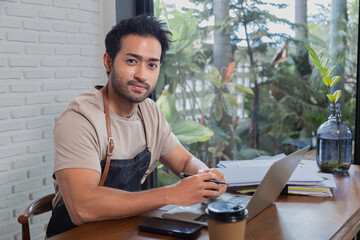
[102,159]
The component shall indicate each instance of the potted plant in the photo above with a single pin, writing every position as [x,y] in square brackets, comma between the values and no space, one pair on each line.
[334,137]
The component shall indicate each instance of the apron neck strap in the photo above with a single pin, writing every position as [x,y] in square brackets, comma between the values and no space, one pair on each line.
[145,130]
[111,144]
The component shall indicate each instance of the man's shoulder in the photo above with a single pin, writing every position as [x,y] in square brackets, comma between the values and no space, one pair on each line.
[149,107]
[87,102]
[148,103]
[88,105]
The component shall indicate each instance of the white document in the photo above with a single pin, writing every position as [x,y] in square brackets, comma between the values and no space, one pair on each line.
[251,172]
[329,180]
[260,161]
[315,191]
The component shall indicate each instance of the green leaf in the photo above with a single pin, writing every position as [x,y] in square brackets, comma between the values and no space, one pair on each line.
[171,71]
[167,105]
[232,99]
[316,60]
[160,83]
[244,89]
[331,97]
[312,53]
[337,95]
[323,71]
[316,63]
[226,102]
[334,80]
[325,63]
[181,45]
[194,67]
[327,81]
[189,131]
[218,111]
[322,53]
[212,150]
[217,82]
[205,102]
[175,35]
[331,70]
[211,76]
[164,105]
[215,71]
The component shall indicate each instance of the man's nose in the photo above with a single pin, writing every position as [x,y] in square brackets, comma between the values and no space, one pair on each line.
[141,73]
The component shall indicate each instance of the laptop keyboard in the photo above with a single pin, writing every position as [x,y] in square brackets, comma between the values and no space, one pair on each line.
[239,200]
[201,218]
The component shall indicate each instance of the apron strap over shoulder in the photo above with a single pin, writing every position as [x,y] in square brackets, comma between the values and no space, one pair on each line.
[111,144]
[145,131]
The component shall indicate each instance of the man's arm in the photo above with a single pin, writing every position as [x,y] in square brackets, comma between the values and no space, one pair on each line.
[180,160]
[87,202]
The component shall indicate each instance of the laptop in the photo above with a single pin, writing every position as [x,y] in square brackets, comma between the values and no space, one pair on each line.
[266,193]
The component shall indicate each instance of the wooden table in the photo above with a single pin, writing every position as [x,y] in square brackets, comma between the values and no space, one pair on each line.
[291,217]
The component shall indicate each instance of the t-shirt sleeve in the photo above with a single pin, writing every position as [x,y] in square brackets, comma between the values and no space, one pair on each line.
[75,143]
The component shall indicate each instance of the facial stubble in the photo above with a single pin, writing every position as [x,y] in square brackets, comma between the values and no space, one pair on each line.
[121,88]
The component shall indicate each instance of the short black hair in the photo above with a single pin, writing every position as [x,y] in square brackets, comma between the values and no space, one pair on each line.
[142,25]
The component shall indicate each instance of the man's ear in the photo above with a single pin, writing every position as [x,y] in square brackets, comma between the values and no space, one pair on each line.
[107,62]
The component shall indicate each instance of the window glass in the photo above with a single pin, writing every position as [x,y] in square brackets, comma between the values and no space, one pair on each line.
[239,79]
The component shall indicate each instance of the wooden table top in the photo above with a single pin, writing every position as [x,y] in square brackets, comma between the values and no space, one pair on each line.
[290,217]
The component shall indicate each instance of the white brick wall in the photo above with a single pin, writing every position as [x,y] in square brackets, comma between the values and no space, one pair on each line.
[50,51]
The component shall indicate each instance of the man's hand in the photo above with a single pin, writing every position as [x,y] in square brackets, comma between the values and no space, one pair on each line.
[219,176]
[191,190]
[195,189]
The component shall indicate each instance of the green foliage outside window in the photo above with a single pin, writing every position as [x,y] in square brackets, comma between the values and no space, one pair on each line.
[289,100]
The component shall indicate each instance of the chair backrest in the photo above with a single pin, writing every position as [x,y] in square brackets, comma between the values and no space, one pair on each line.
[37,207]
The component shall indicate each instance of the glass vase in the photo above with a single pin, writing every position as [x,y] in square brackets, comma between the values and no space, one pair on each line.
[334,143]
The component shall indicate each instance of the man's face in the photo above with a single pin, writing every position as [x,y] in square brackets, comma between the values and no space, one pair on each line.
[136,67]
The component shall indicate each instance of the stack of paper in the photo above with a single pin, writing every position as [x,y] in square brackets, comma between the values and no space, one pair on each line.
[305,180]
[322,189]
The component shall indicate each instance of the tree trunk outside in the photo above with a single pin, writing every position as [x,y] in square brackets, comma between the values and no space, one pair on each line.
[301,32]
[222,47]
[337,45]
[223,55]
[301,37]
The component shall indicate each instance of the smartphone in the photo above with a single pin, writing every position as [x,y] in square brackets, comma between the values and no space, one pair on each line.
[170,227]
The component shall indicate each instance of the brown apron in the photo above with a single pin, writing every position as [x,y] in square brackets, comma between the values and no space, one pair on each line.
[124,174]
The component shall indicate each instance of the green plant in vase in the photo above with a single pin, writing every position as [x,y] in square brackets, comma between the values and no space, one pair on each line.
[334,137]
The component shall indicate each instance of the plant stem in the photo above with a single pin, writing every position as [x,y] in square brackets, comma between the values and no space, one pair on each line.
[334,106]
[339,139]
[338,128]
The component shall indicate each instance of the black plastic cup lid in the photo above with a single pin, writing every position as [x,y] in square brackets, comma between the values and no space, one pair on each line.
[226,212]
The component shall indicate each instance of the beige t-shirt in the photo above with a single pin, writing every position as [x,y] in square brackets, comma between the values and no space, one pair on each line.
[80,136]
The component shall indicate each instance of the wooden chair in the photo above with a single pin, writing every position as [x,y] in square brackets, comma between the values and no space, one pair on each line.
[39,206]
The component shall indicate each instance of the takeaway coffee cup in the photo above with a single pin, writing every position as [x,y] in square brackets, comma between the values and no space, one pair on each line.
[226,221]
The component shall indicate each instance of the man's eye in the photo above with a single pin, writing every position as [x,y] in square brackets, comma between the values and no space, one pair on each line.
[131,61]
[152,65]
